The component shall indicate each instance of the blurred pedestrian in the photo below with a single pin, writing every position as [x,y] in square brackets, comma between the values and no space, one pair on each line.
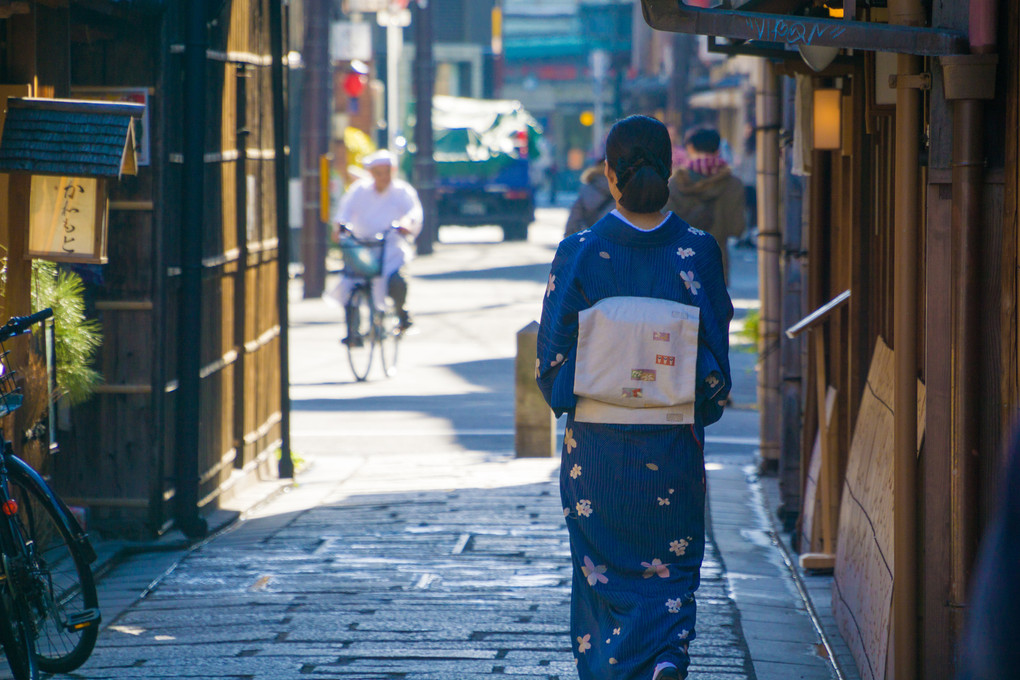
[551,174]
[704,192]
[635,306]
[594,200]
[368,210]
[990,649]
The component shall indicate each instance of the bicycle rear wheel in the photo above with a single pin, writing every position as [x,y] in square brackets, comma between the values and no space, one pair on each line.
[360,336]
[62,590]
[388,329]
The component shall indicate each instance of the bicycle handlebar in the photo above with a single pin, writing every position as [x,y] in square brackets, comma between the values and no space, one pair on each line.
[20,324]
[342,229]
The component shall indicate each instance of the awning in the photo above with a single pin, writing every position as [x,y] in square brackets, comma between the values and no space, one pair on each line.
[69,137]
[545,47]
[721,98]
[677,17]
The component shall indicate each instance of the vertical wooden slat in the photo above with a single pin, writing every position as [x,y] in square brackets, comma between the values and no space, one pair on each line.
[1010,239]
[859,341]
[840,371]
[936,625]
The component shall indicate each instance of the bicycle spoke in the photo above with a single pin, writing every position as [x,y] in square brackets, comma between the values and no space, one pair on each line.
[389,341]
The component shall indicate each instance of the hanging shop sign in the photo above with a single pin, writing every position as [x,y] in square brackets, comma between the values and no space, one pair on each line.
[67,219]
[67,151]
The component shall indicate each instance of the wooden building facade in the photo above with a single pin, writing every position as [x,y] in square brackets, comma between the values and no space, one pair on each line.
[906,391]
[120,452]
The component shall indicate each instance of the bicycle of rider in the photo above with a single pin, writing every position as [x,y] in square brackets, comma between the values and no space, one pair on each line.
[373,326]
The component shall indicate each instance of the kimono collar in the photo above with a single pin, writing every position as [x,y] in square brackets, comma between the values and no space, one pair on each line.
[616,230]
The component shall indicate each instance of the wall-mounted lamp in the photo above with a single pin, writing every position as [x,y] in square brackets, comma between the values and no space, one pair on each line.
[826,121]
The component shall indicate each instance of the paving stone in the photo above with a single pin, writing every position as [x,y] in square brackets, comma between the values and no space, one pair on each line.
[430,557]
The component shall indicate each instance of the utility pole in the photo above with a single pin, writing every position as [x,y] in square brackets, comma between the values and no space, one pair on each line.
[394,19]
[599,59]
[424,163]
[189,317]
[317,87]
[276,49]
[679,83]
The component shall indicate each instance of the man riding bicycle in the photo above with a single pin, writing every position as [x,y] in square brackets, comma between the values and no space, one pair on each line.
[369,208]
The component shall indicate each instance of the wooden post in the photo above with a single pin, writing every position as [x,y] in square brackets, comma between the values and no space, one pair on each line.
[534,422]
[827,489]
[769,248]
[826,560]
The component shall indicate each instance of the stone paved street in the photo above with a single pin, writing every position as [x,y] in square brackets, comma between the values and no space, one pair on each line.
[414,543]
[435,584]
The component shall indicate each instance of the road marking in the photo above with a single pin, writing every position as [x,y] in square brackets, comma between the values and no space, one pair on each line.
[326,545]
[462,542]
[508,432]
[426,580]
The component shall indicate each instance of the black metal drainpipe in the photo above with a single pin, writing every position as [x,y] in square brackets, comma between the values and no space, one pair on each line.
[189,330]
[286,466]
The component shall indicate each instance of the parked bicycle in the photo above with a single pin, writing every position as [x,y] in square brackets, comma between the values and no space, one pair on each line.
[372,325]
[49,609]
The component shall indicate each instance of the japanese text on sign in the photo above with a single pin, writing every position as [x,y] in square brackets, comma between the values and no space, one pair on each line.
[63,215]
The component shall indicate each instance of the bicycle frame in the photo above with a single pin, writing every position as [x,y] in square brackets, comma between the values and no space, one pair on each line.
[66,517]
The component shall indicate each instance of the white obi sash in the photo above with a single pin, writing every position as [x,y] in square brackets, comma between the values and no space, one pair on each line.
[636,361]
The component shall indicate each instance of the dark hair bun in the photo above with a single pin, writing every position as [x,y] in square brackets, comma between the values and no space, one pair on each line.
[646,192]
[639,150]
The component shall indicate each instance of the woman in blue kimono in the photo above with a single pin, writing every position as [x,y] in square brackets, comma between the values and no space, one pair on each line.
[634,494]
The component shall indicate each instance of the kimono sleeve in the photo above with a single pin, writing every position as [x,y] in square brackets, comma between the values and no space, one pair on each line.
[557,332]
[713,373]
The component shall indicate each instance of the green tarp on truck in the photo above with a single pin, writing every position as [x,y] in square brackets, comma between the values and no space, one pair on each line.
[483,152]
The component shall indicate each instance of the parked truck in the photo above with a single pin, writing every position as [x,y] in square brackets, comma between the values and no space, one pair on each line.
[484,149]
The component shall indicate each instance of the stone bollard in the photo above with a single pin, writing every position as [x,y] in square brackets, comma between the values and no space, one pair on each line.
[534,422]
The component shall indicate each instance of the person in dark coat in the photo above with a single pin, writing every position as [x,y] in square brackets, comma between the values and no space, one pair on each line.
[594,200]
[705,193]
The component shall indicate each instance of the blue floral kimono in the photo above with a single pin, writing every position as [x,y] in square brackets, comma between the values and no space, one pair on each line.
[634,495]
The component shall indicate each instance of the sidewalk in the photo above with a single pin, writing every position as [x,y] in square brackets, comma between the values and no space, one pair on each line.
[415,545]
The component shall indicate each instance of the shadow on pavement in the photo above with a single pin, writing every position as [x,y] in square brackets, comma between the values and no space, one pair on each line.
[524,272]
[490,409]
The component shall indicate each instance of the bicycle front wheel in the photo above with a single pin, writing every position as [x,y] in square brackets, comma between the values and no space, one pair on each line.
[388,329]
[16,620]
[62,590]
[360,335]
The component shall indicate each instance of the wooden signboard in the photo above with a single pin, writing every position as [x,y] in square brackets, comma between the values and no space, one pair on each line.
[863,582]
[67,219]
[812,539]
